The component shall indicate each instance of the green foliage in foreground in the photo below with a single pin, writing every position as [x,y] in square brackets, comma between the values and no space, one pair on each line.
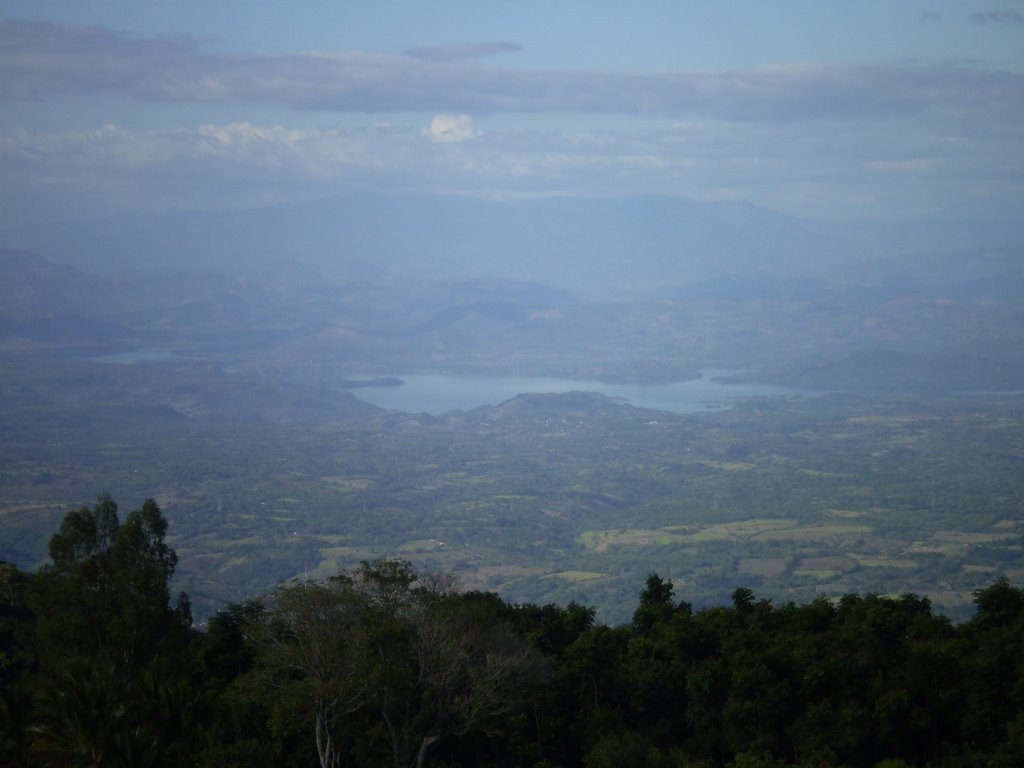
[383,666]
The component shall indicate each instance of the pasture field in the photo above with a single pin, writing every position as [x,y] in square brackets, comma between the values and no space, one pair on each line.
[791,497]
[576,576]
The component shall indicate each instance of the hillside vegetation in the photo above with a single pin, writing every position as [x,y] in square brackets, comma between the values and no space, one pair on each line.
[384,665]
[236,405]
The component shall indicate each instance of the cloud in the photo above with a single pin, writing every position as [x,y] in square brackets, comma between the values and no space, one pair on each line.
[796,137]
[152,162]
[997,17]
[448,129]
[39,60]
[931,16]
[814,139]
[456,51]
[814,169]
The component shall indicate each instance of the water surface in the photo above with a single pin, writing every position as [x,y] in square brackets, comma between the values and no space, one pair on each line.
[437,393]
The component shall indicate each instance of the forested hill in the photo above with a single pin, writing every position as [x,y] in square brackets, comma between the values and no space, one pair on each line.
[384,666]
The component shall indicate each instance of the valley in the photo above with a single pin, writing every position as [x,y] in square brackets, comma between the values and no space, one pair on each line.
[240,412]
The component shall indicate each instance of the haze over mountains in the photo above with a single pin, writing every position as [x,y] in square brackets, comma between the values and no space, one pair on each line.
[596,247]
[583,287]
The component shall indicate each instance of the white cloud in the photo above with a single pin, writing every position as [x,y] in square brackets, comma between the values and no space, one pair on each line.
[807,168]
[448,129]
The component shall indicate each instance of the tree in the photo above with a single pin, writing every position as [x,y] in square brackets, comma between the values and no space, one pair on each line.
[312,662]
[16,703]
[234,722]
[655,604]
[17,625]
[622,750]
[88,717]
[995,662]
[106,594]
[552,628]
[108,690]
[999,604]
[428,661]
[469,671]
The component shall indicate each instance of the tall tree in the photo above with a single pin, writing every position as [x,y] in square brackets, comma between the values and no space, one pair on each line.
[655,604]
[422,660]
[470,669]
[312,660]
[106,593]
[108,643]
[448,663]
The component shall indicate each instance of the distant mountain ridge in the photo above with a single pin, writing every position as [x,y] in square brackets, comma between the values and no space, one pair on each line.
[887,370]
[594,246]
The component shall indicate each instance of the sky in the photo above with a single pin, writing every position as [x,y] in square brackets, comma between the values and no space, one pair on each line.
[823,109]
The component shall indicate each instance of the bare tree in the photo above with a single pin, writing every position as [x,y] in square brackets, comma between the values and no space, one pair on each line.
[463,668]
[311,664]
[430,661]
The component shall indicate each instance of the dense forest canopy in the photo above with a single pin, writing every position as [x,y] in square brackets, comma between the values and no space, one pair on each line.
[382,665]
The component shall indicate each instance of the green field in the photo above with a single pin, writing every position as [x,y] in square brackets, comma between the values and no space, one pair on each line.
[792,497]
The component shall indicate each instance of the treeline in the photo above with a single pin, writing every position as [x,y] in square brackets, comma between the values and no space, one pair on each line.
[99,666]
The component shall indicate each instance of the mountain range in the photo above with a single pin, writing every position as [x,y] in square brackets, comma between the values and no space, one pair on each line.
[596,247]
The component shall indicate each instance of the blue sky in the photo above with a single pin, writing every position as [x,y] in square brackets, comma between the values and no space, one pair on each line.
[820,108]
